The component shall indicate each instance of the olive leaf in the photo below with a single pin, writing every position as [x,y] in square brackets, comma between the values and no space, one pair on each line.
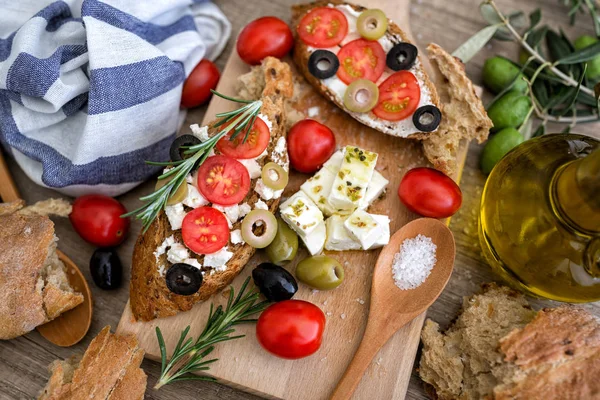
[468,49]
[516,19]
[540,91]
[580,56]
[536,36]
[534,18]
[577,89]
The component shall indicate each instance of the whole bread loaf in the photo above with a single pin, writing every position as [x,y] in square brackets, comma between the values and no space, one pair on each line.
[500,348]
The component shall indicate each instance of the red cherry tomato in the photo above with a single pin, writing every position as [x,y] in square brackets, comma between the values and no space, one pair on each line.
[399,97]
[266,36]
[310,144]
[291,329]
[430,193]
[361,59]
[257,142]
[223,180]
[196,88]
[97,219]
[205,230]
[323,27]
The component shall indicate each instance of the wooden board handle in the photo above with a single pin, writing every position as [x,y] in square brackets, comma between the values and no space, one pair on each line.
[8,189]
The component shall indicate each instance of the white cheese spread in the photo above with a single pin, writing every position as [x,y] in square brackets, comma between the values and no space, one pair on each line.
[194,199]
[261,205]
[254,169]
[236,237]
[266,120]
[265,192]
[200,132]
[177,253]
[218,260]
[175,215]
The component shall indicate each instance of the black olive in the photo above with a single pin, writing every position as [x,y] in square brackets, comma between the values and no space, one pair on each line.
[184,279]
[323,64]
[274,282]
[402,56]
[176,152]
[427,118]
[106,268]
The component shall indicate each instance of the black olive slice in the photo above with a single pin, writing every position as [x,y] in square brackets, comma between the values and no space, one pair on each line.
[323,64]
[176,152]
[427,118]
[184,279]
[402,56]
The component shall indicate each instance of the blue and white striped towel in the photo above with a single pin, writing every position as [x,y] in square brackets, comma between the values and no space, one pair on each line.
[90,89]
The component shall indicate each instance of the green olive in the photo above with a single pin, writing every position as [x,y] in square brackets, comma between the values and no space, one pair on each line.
[320,272]
[179,195]
[497,146]
[274,176]
[372,24]
[509,111]
[498,73]
[593,65]
[361,96]
[285,245]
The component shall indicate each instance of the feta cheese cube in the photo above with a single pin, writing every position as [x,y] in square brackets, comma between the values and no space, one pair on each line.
[200,132]
[351,182]
[236,237]
[253,167]
[384,238]
[265,192]
[338,238]
[175,215]
[363,228]
[374,190]
[315,241]
[318,188]
[218,260]
[301,214]
[194,199]
[244,209]
[232,213]
[334,162]
[177,253]
[193,262]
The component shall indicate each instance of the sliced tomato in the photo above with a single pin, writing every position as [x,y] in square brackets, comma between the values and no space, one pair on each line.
[223,180]
[399,96]
[257,142]
[205,230]
[361,59]
[323,27]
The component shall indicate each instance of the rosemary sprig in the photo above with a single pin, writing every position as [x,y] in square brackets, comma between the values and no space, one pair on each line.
[238,120]
[189,355]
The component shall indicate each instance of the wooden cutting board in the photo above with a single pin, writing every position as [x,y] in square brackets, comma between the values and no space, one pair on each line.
[243,363]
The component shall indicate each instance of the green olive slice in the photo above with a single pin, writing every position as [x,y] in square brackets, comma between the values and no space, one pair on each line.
[179,195]
[259,228]
[274,176]
[372,24]
[361,96]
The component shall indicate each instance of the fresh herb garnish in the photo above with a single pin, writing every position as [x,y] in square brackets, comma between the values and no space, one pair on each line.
[189,355]
[240,120]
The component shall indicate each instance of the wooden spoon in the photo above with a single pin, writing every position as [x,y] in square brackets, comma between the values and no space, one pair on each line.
[392,308]
[71,326]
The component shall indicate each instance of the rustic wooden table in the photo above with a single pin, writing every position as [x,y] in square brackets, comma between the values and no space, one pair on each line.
[23,361]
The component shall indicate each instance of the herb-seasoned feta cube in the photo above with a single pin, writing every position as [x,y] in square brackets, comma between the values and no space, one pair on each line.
[374,190]
[334,162]
[338,238]
[315,241]
[301,214]
[351,182]
[318,188]
[364,228]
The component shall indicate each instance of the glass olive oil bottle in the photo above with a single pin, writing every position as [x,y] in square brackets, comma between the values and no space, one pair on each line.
[539,225]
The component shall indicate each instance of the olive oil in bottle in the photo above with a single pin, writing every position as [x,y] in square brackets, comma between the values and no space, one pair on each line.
[539,225]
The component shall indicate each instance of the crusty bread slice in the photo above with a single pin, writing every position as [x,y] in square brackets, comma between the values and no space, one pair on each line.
[394,33]
[57,207]
[463,117]
[149,296]
[109,369]
[499,348]
[34,287]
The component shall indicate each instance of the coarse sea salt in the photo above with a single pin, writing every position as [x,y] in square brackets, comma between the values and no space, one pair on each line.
[413,264]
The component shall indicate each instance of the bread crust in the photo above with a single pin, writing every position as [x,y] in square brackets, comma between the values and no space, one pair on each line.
[301,56]
[149,296]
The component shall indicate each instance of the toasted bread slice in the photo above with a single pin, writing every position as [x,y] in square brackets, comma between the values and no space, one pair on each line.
[109,369]
[394,34]
[149,296]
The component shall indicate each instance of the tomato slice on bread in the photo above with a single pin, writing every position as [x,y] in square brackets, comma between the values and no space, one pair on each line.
[223,180]
[205,230]
[257,142]
[323,27]
[361,59]
[399,96]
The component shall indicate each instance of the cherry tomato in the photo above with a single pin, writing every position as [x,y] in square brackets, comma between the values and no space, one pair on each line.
[430,193]
[196,88]
[291,329]
[266,36]
[310,144]
[97,219]
[323,27]
[361,59]
[223,180]
[257,142]
[399,96]
[205,230]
